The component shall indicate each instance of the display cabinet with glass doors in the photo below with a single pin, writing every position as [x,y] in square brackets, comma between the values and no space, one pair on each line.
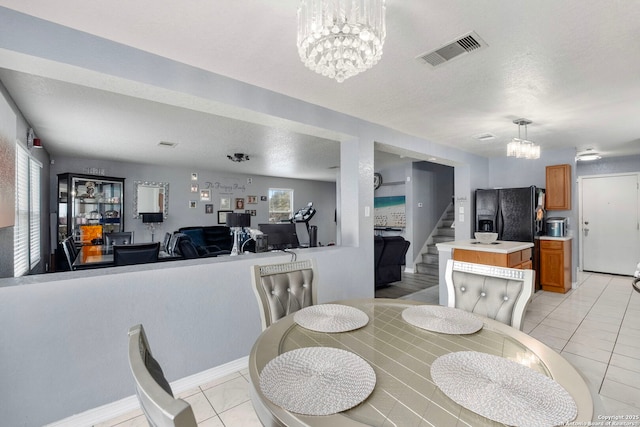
[89,206]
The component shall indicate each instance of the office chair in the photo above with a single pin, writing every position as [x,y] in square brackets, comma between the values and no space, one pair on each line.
[282,289]
[119,238]
[139,253]
[153,390]
[70,253]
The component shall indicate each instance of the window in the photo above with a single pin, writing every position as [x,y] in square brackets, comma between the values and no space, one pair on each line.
[26,232]
[280,204]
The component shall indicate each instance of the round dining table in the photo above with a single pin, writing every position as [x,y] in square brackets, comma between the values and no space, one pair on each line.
[401,356]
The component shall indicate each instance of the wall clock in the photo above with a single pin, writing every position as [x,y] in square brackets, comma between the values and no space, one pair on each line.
[377,181]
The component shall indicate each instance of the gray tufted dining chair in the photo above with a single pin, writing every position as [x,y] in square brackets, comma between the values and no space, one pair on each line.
[153,390]
[498,293]
[282,289]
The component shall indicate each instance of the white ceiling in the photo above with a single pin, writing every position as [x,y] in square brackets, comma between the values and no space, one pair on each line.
[570,66]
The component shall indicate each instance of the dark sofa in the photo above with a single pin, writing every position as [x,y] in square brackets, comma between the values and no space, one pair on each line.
[210,238]
[389,253]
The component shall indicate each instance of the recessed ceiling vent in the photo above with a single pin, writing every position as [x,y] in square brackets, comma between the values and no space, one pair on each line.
[167,144]
[468,43]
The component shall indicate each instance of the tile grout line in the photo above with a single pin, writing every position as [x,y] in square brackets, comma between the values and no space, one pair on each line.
[616,341]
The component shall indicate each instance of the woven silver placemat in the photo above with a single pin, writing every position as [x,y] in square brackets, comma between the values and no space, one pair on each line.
[317,380]
[331,318]
[447,320]
[502,390]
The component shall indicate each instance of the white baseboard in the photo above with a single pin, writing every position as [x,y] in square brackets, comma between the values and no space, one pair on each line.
[112,410]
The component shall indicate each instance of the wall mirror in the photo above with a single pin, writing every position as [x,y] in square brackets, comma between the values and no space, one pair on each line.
[150,197]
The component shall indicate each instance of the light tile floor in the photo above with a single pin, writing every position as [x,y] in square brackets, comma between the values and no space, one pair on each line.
[595,326]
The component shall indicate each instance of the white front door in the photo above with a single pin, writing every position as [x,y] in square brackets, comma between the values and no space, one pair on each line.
[609,223]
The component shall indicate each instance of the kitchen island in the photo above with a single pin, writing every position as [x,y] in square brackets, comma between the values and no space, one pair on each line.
[499,253]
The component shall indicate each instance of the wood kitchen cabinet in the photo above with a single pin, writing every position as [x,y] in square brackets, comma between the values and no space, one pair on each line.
[517,259]
[555,265]
[558,188]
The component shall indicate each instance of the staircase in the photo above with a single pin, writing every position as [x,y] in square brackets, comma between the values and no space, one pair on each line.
[443,233]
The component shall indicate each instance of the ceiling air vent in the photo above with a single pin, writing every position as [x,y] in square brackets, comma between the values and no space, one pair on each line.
[466,44]
[167,144]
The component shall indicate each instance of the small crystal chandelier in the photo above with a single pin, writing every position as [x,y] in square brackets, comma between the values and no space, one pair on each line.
[523,148]
[341,38]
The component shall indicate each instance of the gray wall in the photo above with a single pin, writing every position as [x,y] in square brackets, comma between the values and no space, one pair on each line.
[433,186]
[63,335]
[64,341]
[609,165]
[19,132]
[322,194]
[428,183]
[512,172]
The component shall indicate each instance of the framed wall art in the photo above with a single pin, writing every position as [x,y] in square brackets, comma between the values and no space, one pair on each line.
[222,217]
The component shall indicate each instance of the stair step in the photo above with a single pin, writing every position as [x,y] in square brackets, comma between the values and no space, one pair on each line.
[432,249]
[427,269]
[430,258]
[440,239]
[450,232]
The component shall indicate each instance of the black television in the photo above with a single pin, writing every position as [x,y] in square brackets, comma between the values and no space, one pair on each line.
[152,217]
[280,236]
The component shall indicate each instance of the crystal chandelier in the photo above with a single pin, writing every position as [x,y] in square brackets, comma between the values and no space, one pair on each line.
[523,148]
[341,38]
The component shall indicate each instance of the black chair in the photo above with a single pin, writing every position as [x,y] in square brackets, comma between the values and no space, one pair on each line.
[188,250]
[139,253]
[70,252]
[153,389]
[119,238]
[392,258]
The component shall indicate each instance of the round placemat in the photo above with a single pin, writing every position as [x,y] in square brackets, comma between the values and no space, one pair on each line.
[447,320]
[317,380]
[331,318]
[502,390]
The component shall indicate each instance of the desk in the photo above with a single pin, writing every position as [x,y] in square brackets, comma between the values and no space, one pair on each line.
[96,256]
[401,356]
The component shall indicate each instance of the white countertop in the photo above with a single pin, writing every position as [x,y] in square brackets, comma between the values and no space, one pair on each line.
[555,238]
[498,246]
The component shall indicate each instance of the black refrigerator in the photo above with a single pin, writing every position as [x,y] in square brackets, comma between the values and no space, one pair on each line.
[516,214]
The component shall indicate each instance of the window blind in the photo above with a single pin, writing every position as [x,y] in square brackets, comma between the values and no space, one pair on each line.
[21,227]
[34,212]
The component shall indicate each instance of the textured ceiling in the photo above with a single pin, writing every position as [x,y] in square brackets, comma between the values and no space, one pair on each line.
[569,66]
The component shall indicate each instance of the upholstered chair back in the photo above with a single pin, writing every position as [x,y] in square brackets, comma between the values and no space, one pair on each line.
[498,293]
[154,391]
[282,289]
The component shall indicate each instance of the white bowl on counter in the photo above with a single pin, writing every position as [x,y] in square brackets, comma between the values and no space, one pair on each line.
[486,238]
